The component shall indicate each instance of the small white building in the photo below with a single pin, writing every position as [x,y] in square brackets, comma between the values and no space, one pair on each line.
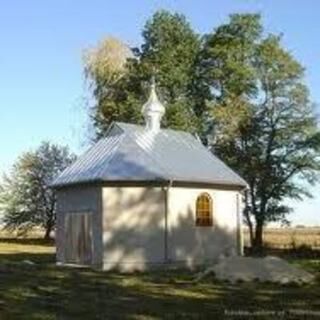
[146,196]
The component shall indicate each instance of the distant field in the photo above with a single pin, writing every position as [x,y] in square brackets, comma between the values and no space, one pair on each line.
[34,233]
[281,238]
[290,238]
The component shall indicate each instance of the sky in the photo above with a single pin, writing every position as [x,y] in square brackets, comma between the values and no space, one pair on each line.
[43,95]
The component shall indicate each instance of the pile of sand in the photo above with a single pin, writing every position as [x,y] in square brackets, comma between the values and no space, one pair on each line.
[271,269]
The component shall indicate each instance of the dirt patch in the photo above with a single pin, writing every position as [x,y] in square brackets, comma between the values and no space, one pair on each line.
[268,269]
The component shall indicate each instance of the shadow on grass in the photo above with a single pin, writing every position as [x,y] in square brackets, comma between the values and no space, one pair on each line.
[29,257]
[44,291]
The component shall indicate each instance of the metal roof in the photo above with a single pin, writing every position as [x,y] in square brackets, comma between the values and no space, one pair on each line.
[132,153]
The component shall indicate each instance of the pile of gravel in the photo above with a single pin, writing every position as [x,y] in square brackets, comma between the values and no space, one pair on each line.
[268,269]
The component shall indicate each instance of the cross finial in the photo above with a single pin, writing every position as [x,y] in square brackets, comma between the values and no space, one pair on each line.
[153,82]
[153,110]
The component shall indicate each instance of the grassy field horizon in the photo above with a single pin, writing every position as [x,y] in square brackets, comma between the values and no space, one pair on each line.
[274,237]
[289,237]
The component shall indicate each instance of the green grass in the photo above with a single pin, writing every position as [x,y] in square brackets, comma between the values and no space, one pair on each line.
[44,291]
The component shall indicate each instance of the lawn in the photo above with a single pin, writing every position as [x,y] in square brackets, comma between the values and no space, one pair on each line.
[44,291]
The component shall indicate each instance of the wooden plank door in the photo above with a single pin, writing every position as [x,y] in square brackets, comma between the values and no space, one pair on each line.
[78,238]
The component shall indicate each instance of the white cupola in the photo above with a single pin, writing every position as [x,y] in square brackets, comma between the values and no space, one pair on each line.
[153,110]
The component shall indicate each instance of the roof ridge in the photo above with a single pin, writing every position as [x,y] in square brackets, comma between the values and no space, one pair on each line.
[120,123]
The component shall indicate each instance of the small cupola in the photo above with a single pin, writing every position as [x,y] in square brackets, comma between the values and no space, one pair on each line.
[153,110]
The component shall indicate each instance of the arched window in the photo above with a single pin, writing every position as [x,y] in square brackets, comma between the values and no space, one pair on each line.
[204,210]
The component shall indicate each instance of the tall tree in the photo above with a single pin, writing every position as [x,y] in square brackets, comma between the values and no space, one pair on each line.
[264,125]
[26,200]
[169,51]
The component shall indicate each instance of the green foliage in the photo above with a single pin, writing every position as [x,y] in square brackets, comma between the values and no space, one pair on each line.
[26,200]
[227,56]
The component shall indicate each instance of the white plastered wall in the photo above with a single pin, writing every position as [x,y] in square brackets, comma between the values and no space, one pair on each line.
[134,220]
[133,227]
[194,245]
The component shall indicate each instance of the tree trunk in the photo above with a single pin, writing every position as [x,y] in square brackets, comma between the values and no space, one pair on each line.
[50,221]
[48,230]
[258,239]
[249,224]
[251,233]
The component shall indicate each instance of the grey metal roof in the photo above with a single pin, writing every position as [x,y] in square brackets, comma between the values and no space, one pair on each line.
[132,153]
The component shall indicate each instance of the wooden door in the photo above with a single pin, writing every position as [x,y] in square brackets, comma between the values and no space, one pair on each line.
[78,238]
